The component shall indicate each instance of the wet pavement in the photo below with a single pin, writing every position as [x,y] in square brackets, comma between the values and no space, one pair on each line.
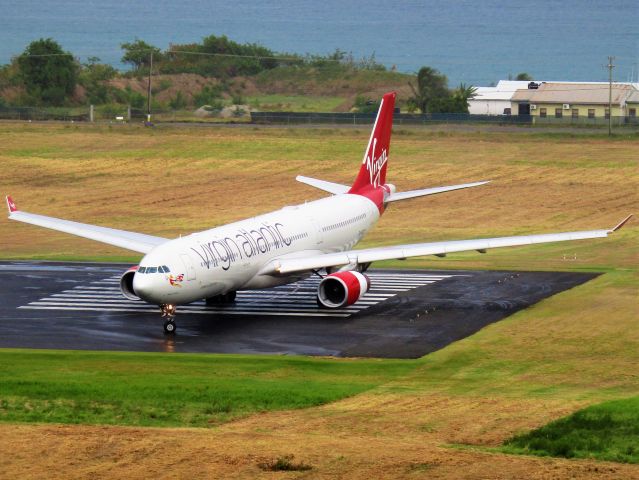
[407,313]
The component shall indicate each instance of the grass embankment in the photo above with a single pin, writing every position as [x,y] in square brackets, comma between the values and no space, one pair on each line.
[174,390]
[566,352]
[607,431]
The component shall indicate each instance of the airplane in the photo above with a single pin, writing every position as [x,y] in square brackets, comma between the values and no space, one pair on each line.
[286,245]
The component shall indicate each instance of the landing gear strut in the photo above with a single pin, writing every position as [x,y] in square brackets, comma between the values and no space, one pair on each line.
[168,311]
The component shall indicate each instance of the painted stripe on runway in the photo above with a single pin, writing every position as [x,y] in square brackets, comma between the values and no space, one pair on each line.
[296,299]
[155,310]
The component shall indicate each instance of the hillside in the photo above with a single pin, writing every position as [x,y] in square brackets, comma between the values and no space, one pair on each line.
[279,89]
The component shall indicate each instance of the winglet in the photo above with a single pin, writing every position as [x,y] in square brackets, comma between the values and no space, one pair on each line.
[11,205]
[621,224]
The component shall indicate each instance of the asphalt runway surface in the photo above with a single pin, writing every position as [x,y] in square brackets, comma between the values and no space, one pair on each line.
[407,313]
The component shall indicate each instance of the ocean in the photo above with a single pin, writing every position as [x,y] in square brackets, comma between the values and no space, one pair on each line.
[475,42]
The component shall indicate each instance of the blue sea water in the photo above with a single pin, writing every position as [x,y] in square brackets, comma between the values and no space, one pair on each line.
[476,42]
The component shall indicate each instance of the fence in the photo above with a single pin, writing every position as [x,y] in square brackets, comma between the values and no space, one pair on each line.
[123,113]
[398,118]
[36,114]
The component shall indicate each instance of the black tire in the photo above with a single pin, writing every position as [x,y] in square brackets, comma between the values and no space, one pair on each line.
[229,297]
[169,327]
[213,300]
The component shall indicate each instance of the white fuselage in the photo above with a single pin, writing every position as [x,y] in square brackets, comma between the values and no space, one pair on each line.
[232,257]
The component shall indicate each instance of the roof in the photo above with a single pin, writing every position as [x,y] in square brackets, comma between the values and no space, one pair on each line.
[502,91]
[491,93]
[633,97]
[588,93]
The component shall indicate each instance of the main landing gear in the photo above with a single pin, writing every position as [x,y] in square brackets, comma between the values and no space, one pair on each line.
[168,311]
[223,299]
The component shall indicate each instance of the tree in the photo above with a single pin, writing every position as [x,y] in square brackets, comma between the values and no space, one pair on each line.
[94,77]
[138,53]
[432,87]
[49,73]
[461,95]
[523,76]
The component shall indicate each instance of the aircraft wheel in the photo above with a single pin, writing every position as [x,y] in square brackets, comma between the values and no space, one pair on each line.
[169,327]
[228,297]
[216,300]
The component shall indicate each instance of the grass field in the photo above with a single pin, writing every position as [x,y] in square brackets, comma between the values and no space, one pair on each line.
[179,390]
[607,431]
[294,103]
[572,350]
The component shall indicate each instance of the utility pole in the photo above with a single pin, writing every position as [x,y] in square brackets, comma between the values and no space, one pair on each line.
[610,67]
[148,95]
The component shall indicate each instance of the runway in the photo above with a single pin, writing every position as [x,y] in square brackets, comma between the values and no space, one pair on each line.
[406,314]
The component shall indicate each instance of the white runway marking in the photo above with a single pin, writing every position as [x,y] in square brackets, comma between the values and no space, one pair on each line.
[296,299]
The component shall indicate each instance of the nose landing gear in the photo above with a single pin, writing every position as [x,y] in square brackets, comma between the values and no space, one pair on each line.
[168,311]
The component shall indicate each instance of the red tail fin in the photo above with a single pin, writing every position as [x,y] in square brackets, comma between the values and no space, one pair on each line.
[373,170]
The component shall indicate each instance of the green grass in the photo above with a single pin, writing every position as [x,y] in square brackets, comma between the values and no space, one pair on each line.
[149,389]
[607,431]
[295,103]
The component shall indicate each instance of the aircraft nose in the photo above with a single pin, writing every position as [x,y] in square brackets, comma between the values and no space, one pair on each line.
[143,286]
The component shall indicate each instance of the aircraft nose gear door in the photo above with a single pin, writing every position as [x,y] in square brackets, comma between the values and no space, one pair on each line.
[188,265]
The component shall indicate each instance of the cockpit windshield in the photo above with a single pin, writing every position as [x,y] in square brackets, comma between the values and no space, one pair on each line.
[161,269]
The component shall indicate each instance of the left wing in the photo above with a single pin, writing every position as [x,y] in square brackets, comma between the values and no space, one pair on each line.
[138,242]
[330,187]
[354,257]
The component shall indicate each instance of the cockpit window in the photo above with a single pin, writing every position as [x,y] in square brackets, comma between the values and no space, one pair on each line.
[161,269]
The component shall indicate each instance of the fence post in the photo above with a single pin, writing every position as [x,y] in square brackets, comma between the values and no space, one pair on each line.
[128,113]
[91,115]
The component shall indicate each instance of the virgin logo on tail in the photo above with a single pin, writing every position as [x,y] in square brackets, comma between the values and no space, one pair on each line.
[372,173]
[375,165]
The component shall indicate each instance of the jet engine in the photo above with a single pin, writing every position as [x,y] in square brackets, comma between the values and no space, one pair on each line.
[126,283]
[342,289]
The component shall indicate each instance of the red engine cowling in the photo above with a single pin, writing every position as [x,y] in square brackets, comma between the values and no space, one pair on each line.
[126,283]
[342,289]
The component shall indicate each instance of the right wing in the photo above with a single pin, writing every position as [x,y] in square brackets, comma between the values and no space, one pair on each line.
[400,252]
[138,242]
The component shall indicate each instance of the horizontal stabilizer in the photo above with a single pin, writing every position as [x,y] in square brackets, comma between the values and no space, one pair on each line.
[330,187]
[431,191]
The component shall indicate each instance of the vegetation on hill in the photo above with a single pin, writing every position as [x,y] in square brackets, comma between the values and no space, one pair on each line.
[216,72]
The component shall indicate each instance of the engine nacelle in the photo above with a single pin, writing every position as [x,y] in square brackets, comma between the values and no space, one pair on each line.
[342,289]
[126,283]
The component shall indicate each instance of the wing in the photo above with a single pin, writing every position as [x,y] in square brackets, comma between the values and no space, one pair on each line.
[330,187]
[354,257]
[138,242]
